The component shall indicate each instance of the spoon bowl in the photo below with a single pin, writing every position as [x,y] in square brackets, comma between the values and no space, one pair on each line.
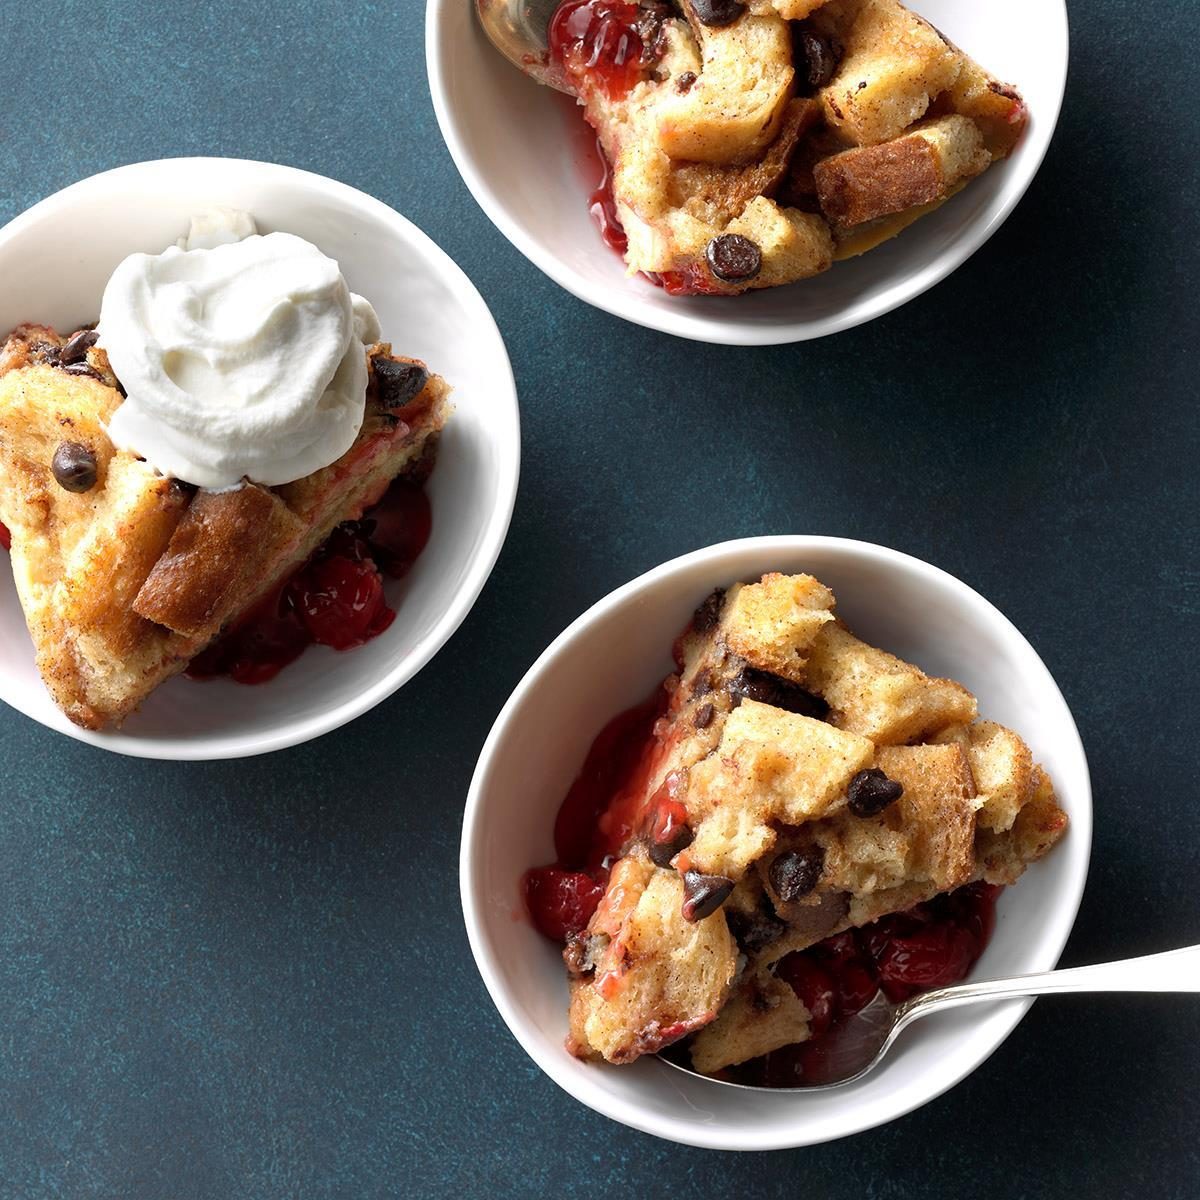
[518,29]
[862,1042]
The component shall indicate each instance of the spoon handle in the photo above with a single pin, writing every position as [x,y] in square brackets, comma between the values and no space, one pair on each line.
[1171,971]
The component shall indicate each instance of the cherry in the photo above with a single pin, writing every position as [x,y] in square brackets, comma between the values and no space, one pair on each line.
[561,902]
[341,601]
[814,986]
[938,955]
[398,528]
[598,44]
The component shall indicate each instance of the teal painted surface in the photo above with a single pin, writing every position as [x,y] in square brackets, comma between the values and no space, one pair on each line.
[251,980]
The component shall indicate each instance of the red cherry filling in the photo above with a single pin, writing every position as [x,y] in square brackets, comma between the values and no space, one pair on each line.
[341,601]
[336,599]
[598,44]
[5,537]
[561,902]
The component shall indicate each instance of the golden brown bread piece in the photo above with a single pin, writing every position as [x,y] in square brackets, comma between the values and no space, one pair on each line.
[917,168]
[122,585]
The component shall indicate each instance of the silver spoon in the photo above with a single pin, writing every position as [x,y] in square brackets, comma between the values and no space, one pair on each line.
[517,28]
[861,1043]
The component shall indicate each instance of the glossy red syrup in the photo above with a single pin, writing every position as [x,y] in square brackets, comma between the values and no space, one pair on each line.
[598,45]
[5,537]
[694,280]
[932,945]
[597,817]
[336,599]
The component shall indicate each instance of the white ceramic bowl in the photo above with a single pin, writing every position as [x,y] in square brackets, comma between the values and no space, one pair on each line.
[611,658]
[517,146]
[55,260]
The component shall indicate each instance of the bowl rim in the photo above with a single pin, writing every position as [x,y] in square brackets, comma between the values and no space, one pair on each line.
[495,528]
[727,330]
[554,1060]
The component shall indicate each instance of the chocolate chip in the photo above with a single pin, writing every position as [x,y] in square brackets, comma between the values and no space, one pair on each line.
[46,352]
[704,716]
[669,832]
[77,346]
[733,258]
[816,58]
[715,13]
[756,929]
[795,873]
[398,382]
[709,613]
[752,684]
[575,954]
[74,467]
[871,791]
[704,894]
[683,82]
[661,853]
[79,368]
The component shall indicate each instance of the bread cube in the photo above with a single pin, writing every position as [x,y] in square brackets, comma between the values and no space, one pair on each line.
[734,110]
[794,244]
[926,836]
[772,624]
[762,1015]
[893,66]
[1002,767]
[1002,857]
[789,10]
[659,978]
[917,168]
[995,107]
[877,695]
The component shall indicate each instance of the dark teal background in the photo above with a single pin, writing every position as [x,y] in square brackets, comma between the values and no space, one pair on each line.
[251,979]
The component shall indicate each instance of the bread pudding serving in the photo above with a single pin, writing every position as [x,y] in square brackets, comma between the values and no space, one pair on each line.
[754,144]
[796,820]
[215,476]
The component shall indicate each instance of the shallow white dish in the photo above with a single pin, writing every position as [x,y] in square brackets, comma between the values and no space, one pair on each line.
[55,260]
[517,146]
[612,657]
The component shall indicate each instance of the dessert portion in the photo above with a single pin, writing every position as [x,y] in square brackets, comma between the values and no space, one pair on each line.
[795,820]
[754,144]
[200,464]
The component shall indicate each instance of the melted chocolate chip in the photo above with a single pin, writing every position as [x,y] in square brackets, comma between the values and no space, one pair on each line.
[704,716]
[398,382]
[77,346]
[715,13]
[871,791]
[816,58]
[751,684]
[79,368]
[684,81]
[756,929]
[704,894]
[733,258]
[795,873]
[575,954]
[709,613]
[74,467]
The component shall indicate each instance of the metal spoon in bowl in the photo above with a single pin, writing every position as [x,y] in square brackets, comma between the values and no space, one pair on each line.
[862,1042]
[518,28]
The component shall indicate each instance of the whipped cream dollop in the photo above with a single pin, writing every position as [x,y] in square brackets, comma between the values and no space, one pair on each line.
[242,356]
